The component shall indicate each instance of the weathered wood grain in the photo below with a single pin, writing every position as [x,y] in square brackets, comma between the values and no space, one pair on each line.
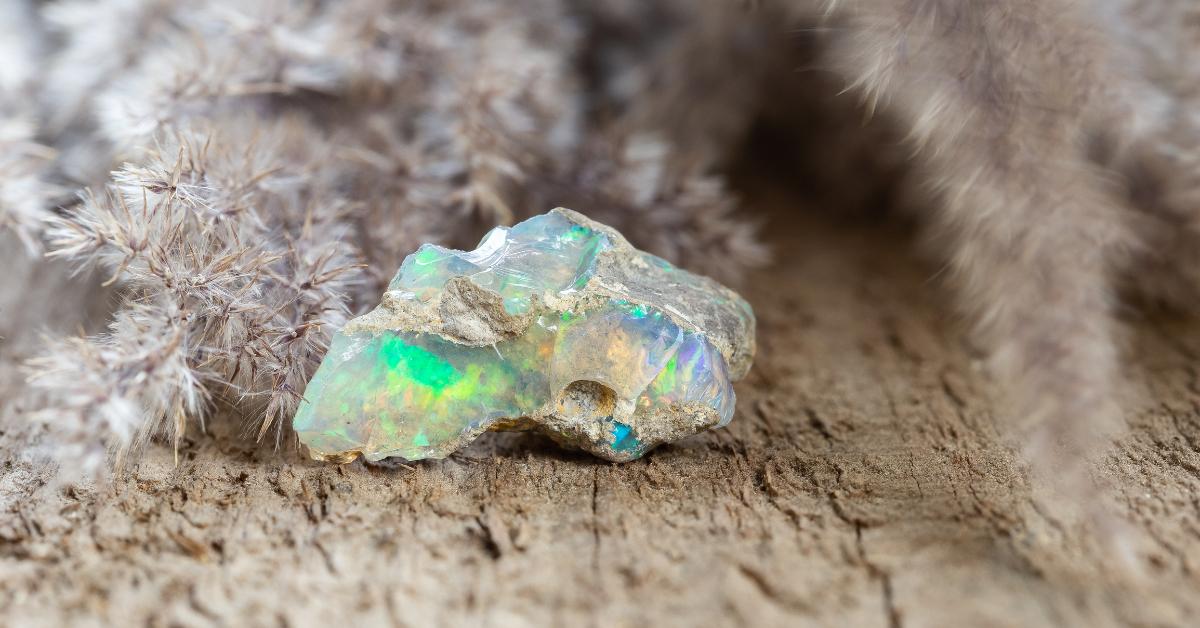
[863,482]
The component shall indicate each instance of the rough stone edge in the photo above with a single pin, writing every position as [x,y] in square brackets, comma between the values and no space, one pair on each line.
[468,314]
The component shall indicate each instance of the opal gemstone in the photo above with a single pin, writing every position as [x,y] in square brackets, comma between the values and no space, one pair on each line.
[385,393]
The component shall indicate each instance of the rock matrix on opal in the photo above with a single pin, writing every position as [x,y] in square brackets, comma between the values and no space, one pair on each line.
[557,324]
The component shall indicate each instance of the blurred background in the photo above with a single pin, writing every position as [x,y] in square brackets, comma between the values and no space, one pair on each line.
[194,195]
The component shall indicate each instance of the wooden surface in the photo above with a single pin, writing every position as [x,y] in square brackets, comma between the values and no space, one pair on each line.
[864,482]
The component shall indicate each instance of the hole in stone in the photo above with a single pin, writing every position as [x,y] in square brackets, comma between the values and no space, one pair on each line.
[585,399]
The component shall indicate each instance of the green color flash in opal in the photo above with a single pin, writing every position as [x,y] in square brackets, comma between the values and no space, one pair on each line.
[409,395]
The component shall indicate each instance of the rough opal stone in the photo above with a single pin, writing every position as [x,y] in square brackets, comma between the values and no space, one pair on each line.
[556,324]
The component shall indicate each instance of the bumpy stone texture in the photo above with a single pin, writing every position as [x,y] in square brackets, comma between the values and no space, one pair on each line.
[557,324]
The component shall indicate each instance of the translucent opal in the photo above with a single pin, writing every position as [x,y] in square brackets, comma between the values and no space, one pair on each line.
[383,392]
[544,253]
